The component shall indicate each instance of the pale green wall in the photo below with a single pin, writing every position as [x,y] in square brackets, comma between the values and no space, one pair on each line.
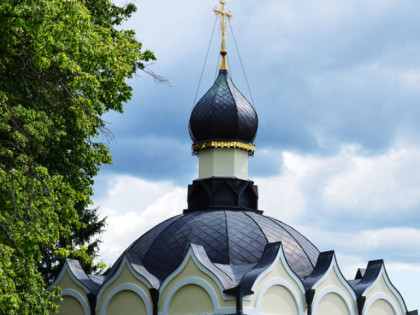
[381,287]
[278,301]
[223,162]
[191,299]
[67,283]
[191,270]
[332,304]
[381,307]
[124,277]
[70,306]
[333,281]
[126,303]
[277,272]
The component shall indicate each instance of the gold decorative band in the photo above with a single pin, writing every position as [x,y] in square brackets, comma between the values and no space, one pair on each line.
[223,144]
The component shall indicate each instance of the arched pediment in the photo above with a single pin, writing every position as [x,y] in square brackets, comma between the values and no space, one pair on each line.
[76,287]
[130,282]
[74,270]
[326,285]
[375,290]
[196,269]
[274,287]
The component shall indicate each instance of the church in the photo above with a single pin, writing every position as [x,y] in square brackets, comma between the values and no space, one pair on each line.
[221,255]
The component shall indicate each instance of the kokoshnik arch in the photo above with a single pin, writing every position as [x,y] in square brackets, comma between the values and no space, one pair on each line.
[222,255]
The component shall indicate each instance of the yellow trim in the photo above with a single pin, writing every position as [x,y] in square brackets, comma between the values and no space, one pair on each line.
[224,144]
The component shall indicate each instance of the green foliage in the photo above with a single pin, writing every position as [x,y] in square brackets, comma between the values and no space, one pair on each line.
[62,65]
[82,244]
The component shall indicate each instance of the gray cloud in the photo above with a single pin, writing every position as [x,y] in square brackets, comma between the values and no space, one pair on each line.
[323,74]
[326,77]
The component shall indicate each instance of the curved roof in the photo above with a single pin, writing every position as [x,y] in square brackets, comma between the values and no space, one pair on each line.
[223,113]
[233,240]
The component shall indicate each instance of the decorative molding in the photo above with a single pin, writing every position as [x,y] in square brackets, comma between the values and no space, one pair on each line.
[339,292]
[191,255]
[282,258]
[127,287]
[135,274]
[78,297]
[250,311]
[203,284]
[283,283]
[334,266]
[66,268]
[390,286]
[380,296]
[196,147]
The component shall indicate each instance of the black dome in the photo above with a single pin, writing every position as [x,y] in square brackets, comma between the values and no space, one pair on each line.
[234,240]
[223,113]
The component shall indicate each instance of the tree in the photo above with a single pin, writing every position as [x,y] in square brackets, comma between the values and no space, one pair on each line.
[63,64]
[82,244]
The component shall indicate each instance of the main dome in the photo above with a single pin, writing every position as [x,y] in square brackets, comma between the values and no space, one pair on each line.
[223,114]
[233,240]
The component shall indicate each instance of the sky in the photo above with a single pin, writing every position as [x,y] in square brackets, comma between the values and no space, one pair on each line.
[336,85]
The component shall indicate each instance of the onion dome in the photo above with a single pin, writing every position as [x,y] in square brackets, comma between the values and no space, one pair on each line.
[222,214]
[223,118]
[233,240]
[223,114]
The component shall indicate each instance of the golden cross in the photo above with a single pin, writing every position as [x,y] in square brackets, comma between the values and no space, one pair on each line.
[222,31]
[223,14]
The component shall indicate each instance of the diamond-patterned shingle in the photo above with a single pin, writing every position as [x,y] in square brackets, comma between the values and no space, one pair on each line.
[233,240]
[223,113]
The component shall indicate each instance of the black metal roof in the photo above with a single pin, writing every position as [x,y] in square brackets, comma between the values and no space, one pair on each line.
[233,240]
[223,113]
[325,259]
[91,282]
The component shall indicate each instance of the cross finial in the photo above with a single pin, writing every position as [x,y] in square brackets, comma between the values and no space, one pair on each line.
[222,31]
[223,15]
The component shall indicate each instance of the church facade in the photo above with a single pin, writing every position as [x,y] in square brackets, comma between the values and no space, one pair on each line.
[222,255]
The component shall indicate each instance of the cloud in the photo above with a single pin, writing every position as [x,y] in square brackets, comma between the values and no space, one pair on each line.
[398,246]
[323,74]
[132,207]
[336,86]
[381,185]
[363,191]
[153,158]
[405,280]
[342,72]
